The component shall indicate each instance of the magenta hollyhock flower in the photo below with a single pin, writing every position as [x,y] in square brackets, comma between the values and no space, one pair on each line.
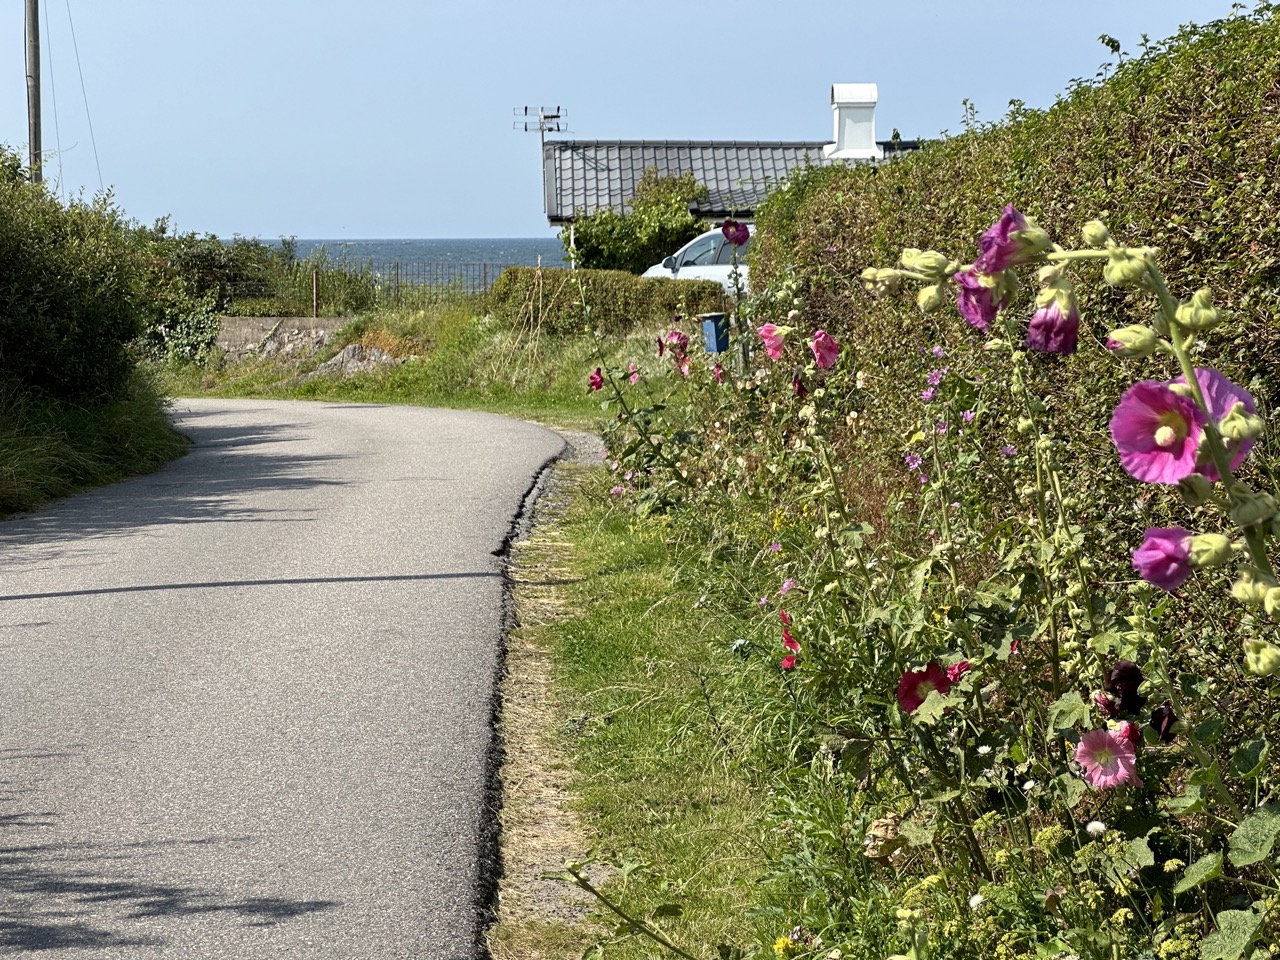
[1130,731]
[1220,395]
[957,670]
[916,685]
[678,341]
[928,394]
[825,349]
[974,300]
[596,380]
[775,547]
[998,248]
[788,662]
[735,232]
[1052,331]
[1106,705]
[1164,557]
[785,618]
[773,338]
[717,373]
[1157,432]
[1108,759]
[1008,450]
[789,641]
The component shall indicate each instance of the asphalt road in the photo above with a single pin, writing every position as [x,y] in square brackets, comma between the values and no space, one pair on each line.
[245,702]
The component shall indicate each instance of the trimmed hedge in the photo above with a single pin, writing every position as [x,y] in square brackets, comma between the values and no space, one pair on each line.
[549,298]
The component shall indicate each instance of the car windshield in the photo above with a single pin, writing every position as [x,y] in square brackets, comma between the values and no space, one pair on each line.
[701,252]
[726,253]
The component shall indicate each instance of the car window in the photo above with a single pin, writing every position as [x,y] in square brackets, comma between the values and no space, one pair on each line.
[701,252]
[726,253]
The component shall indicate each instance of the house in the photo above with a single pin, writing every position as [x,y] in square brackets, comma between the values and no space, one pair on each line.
[583,176]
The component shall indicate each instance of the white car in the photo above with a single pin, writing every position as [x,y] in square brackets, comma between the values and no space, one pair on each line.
[708,257]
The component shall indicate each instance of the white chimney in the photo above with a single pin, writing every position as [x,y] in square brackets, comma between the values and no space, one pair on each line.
[854,108]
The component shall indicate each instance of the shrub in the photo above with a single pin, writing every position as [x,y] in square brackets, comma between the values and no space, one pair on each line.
[550,299]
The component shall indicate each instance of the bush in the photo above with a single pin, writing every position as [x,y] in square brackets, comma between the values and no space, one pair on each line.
[549,298]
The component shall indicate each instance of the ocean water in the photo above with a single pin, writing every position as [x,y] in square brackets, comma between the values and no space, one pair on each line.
[523,251]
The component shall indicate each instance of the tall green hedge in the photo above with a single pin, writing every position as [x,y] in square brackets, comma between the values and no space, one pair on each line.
[550,298]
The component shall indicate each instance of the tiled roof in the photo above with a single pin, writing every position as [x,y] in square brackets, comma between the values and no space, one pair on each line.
[582,176]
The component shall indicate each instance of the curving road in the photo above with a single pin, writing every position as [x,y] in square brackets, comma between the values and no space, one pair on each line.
[245,702]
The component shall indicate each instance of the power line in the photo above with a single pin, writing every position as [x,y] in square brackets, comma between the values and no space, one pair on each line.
[92,140]
[53,91]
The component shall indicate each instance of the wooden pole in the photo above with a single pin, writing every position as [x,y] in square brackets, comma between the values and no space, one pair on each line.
[33,88]
[315,294]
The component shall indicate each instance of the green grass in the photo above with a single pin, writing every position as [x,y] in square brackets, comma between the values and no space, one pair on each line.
[639,671]
[51,448]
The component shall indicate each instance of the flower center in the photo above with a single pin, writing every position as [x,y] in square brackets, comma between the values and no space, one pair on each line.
[1103,757]
[1172,429]
[925,688]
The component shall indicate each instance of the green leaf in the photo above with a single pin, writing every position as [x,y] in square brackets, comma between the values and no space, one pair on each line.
[1067,711]
[1140,854]
[1208,731]
[1191,800]
[1253,839]
[1208,867]
[1248,761]
[1236,930]
[1072,787]
[934,706]
[917,834]
[666,910]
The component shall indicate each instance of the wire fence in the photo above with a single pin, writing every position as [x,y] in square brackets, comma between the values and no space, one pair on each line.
[341,288]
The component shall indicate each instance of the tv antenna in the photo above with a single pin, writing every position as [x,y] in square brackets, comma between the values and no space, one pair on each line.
[543,119]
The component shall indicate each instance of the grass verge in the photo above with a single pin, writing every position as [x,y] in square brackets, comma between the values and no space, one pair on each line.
[615,653]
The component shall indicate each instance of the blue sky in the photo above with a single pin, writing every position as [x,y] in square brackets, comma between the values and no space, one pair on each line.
[393,118]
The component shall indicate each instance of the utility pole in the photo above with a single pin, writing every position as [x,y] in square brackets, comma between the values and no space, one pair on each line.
[33,87]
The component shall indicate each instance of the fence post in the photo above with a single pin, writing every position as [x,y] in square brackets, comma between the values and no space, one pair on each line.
[484,277]
[395,287]
[315,294]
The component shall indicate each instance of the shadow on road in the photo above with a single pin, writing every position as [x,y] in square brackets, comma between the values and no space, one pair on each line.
[205,486]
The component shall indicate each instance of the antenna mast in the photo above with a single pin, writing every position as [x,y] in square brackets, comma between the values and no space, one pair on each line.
[549,120]
[33,88]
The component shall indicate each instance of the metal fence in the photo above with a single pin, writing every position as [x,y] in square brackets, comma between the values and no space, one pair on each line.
[467,277]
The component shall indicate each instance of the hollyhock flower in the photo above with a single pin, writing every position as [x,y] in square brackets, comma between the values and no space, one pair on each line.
[798,388]
[773,337]
[635,373]
[717,373]
[1162,719]
[912,460]
[1220,395]
[1108,707]
[763,601]
[1130,731]
[975,300]
[916,685]
[788,662]
[1108,759]
[684,366]
[957,670]
[678,342]
[935,376]
[1052,331]
[1122,682]
[1164,557]
[1157,432]
[825,349]
[596,380]
[785,618]
[735,232]
[789,641]
[1000,247]
[939,352]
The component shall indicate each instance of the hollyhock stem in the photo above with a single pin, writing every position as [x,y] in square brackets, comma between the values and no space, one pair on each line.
[1180,339]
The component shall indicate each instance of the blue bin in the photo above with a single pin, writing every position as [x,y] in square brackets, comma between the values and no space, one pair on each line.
[715,332]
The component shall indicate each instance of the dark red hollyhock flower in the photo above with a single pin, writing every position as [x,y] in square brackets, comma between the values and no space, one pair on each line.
[1122,682]
[1163,718]
[798,387]
[735,232]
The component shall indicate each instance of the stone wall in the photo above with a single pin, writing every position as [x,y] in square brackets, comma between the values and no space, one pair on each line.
[276,336]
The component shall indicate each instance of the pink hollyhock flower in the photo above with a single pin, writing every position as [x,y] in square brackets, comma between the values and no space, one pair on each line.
[678,341]
[635,373]
[789,641]
[785,618]
[788,662]
[957,670]
[1220,395]
[1052,331]
[773,337]
[999,248]
[596,380]
[1164,557]
[1130,731]
[735,232]
[684,366]
[1157,432]
[1105,704]
[975,300]
[825,349]
[916,685]
[798,389]
[717,373]
[1108,759]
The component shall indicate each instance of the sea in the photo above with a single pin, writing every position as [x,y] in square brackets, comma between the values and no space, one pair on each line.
[523,251]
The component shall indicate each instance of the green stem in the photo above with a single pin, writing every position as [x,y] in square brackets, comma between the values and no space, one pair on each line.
[633,922]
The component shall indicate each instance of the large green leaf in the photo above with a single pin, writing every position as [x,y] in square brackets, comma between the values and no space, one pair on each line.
[1255,836]
[1068,711]
[1236,930]
[1207,868]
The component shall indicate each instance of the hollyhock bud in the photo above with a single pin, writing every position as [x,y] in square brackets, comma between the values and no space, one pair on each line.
[1262,659]
[1163,719]
[1134,341]
[1123,269]
[1053,329]
[1241,424]
[1196,490]
[1250,507]
[930,264]
[1209,550]
[1250,588]
[1096,234]
[798,389]
[1200,313]
[596,380]
[881,281]
[1272,602]
[1011,240]
[931,299]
